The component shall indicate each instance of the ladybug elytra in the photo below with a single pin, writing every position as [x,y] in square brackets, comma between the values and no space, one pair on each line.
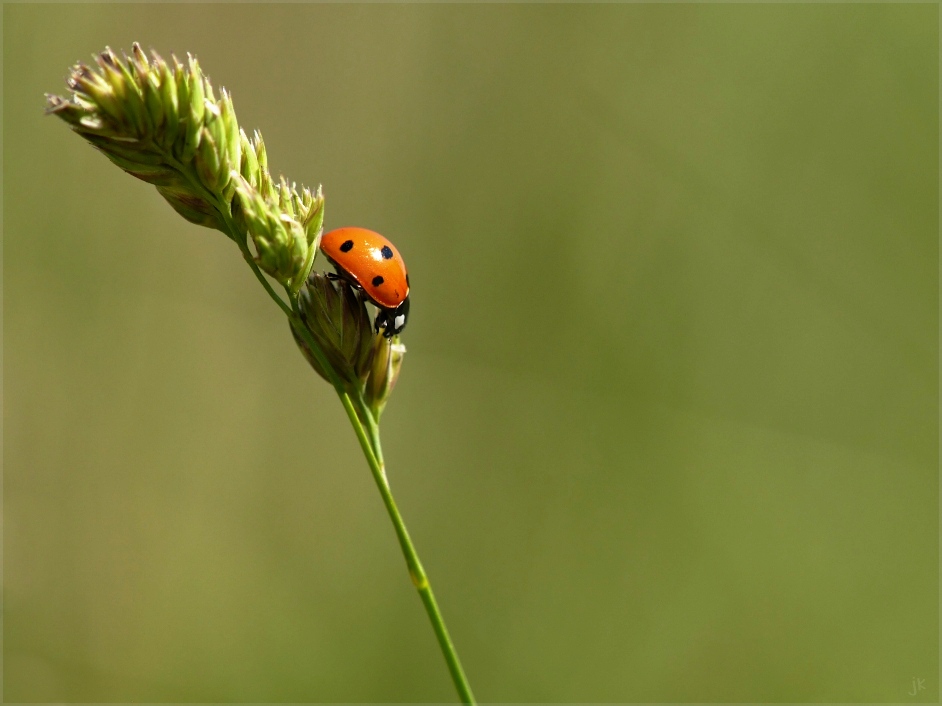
[371,263]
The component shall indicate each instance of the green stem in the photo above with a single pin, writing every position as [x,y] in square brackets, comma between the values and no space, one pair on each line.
[372,449]
[261,278]
[372,427]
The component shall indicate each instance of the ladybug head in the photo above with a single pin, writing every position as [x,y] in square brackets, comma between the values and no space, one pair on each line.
[393,320]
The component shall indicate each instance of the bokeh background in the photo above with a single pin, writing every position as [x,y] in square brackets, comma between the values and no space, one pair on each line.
[667,427]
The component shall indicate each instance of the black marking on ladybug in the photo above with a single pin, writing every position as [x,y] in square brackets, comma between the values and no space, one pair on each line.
[377,280]
[387,253]
[346,246]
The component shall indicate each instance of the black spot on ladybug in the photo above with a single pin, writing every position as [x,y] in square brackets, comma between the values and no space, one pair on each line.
[377,280]
[346,246]
[387,253]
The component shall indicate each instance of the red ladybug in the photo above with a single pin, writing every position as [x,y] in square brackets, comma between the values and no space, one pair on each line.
[370,262]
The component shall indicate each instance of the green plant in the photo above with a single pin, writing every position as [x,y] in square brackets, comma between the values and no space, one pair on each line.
[162,123]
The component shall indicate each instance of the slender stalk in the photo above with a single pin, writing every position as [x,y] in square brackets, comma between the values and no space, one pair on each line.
[261,278]
[373,429]
[417,573]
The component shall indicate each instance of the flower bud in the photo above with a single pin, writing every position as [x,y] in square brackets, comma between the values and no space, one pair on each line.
[285,247]
[386,356]
[335,314]
[249,167]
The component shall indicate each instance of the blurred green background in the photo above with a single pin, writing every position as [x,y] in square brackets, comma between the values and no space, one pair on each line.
[667,427]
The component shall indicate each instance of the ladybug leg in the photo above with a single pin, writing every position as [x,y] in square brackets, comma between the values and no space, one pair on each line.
[338,277]
[381,320]
[384,320]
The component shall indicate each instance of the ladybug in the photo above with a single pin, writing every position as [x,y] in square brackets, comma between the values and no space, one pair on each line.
[371,263]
